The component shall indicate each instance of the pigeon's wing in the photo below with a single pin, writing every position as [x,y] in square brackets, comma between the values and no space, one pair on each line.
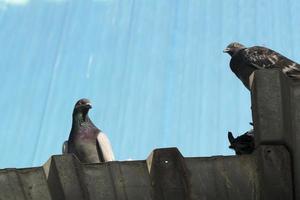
[263,58]
[65,147]
[105,147]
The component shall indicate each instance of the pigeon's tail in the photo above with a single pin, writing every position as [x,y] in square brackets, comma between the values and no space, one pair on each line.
[230,137]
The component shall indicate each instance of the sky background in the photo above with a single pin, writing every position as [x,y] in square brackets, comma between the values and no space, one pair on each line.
[153,69]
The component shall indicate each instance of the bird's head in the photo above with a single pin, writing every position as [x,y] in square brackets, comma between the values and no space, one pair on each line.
[82,107]
[234,47]
[243,144]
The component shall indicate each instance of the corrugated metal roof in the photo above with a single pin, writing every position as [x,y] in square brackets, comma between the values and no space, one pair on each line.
[165,175]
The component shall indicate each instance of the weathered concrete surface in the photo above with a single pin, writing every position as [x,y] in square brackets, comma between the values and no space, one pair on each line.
[169,174]
[63,175]
[270,97]
[165,175]
[276,115]
[242,177]
[10,185]
[27,184]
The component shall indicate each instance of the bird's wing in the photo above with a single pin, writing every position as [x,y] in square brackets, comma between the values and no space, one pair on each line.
[105,146]
[65,147]
[262,58]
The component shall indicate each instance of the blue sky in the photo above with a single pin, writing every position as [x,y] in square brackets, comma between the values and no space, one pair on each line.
[154,71]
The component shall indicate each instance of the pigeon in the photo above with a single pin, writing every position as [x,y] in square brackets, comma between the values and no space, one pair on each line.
[245,60]
[88,143]
[243,144]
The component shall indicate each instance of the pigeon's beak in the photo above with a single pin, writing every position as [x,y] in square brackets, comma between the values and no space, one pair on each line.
[226,50]
[89,105]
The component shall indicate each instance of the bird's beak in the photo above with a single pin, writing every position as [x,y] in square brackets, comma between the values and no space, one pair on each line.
[226,50]
[89,105]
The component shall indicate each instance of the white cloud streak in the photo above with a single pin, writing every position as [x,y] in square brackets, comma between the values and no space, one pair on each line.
[14,2]
[5,3]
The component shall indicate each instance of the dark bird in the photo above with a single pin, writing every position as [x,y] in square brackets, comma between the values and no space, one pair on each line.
[245,60]
[86,141]
[243,144]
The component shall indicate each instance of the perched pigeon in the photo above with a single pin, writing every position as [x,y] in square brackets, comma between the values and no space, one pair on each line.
[246,60]
[86,141]
[243,144]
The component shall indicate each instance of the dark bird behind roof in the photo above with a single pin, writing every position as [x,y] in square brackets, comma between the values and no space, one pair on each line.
[245,60]
[243,144]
